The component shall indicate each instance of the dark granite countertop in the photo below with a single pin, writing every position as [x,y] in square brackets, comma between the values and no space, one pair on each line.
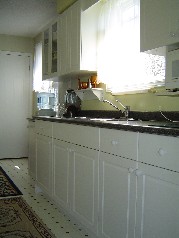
[160,127]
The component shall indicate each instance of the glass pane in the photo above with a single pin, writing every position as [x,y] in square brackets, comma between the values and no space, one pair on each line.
[46,47]
[54,48]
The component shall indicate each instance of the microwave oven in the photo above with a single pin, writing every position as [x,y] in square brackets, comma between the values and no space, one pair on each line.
[172,70]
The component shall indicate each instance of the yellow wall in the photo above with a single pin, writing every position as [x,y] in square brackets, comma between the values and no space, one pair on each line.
[64,4]
[137,102]
[16,44]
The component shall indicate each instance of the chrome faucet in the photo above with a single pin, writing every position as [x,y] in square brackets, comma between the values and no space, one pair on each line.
[111,104]
[126,109]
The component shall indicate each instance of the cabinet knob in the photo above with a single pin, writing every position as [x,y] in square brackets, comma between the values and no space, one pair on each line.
[114,142]
[139,173]
[162,152]
[172,34]
[131,170]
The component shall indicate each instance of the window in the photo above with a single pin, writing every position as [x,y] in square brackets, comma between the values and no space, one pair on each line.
[121,66]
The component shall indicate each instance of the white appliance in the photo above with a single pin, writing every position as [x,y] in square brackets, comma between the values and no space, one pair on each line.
[46,104]
[172,70]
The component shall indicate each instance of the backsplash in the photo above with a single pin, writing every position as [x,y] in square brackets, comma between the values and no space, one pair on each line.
[144,116]
[143,102]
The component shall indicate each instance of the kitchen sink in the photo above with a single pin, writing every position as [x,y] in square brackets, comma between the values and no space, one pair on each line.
[166,125]
[112,119]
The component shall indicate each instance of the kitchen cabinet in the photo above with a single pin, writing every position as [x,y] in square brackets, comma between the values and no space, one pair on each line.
[50,51]
[157,205]
[117,184]
[32,149]
[85,187]
[44,156]
[117,197]
[158,187]
[76,172]
[61,176]
[158,23]
[78,45]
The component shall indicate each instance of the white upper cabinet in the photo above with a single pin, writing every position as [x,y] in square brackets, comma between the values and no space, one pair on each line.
[50,51]
[77,40]
[159,23]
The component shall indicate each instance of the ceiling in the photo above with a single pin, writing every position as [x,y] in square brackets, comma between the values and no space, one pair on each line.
[26,17]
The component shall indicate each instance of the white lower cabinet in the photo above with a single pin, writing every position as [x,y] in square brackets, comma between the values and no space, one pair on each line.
[43,130]
[117,197]
[61,173]
[75,173]
[85,187]
[76,182]
[158,187]
[126,186]
[117,183]
[44,163]
[158,202]
[32,150]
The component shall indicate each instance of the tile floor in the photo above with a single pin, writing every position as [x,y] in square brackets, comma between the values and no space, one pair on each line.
[59,223]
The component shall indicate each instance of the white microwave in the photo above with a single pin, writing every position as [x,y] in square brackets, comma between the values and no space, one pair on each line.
[172,70]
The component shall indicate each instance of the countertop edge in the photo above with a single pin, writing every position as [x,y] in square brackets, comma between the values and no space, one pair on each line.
[141,127]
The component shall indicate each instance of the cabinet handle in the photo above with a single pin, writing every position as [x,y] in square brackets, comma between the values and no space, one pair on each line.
[162,152]
[131,170]
[114,142]
[138,173]
[172,34]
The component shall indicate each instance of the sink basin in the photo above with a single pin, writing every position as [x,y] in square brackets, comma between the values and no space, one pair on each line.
[111,119]
[166,125]
[121,120]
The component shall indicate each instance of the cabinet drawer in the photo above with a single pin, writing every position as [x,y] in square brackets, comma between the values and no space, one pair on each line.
[117,142]
[77,134]
[43,128]
[161,151]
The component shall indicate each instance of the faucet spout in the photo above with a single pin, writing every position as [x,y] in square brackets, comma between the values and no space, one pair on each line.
[111,104]
[126,109]
[121,103]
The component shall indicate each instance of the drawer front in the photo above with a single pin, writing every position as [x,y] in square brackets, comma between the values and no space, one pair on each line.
[117,142]
[43,128]
[161,151]
[81,135]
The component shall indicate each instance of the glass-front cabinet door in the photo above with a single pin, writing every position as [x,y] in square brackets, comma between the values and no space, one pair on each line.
[54,48]
[45,53]
[50,49]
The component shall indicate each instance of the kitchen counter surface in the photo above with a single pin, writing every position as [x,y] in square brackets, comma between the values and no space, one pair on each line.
[165,128]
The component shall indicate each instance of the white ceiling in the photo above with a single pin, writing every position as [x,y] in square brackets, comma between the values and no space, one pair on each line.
[25,17]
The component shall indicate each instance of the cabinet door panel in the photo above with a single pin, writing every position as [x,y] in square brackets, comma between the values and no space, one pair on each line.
[160,151]
[117,197]
[158,202]
[50,48]
[74,36]
[61,173]
[159,23]
[44,163]
[32,150]
[85,187]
